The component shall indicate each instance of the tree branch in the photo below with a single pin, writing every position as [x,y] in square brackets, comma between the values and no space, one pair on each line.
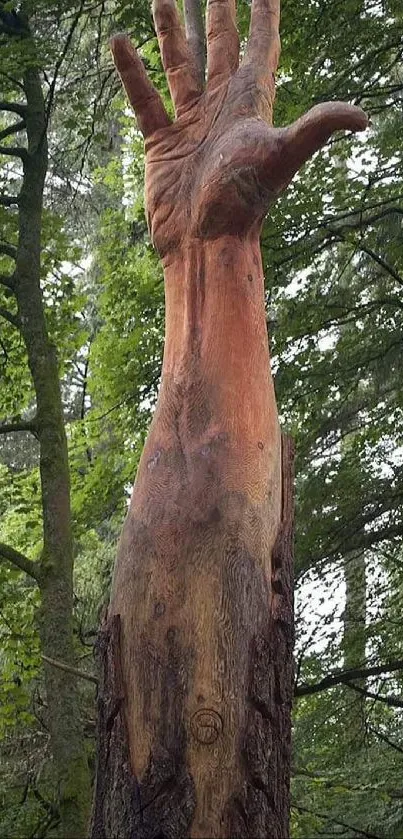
[392,701]
[60,60]
[13,319]
[381,262]
[8,200]
[8,250]
[372,254]
[346,676]
[11,427]
[13,81]
[69,669]
[12,129]
[13,107]
[327,818]
[20,561]
[14,151]
[385,739]
[7,280]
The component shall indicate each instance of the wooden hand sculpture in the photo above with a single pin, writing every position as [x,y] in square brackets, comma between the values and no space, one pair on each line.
[216,169]
[195,733]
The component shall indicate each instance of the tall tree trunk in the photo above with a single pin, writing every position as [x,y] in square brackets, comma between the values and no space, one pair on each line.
[354,634]
[203,582]
[55,575]
[354,640]
[355,609]
[195,699]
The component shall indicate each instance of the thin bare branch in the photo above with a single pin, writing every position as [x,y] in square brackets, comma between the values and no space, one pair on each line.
[361,246]
[60,60]
[385,739]
[13,107]
[12,129]
[15,82]
[14,151]
[8,250]
[392,701]
[13,319]
[381,262]
[20,561]
[346,676]
[8,201]
[11,427]
[327,818]
[61,665]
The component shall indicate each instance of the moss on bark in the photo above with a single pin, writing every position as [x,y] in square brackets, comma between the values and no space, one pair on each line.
[72,778]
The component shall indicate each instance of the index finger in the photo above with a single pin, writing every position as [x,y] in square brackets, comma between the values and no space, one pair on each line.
[143,97]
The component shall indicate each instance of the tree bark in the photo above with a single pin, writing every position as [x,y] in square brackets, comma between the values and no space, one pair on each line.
[195,699]
[354,634]
[355,610]
[194,28]
[54,572]
[196,658]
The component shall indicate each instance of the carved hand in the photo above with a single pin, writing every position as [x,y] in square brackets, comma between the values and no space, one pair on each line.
[216,169]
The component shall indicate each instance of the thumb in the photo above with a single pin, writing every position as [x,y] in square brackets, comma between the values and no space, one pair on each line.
[310,132]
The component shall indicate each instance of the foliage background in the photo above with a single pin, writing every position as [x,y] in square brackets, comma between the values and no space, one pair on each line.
[333,257]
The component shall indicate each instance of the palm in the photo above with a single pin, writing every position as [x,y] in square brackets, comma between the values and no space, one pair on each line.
[217,167]
[201,173]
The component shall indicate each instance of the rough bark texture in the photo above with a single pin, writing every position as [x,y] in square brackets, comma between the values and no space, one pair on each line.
[192,582]
[262,809]
[163,802]
[354,623]
[203,581]
[354,642]
[55,570]
[194,28]
[355,610]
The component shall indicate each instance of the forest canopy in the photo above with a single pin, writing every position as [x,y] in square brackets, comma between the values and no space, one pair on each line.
[81,341]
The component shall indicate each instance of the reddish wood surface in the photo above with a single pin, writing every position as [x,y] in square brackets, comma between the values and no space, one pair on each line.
[192,581]
[241,772]
[202,596]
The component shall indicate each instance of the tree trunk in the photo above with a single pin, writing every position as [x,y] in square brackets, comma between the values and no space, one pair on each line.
[196,656]
[354,643]
[55,574]
[354,635]
[355,609]
[195,699]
